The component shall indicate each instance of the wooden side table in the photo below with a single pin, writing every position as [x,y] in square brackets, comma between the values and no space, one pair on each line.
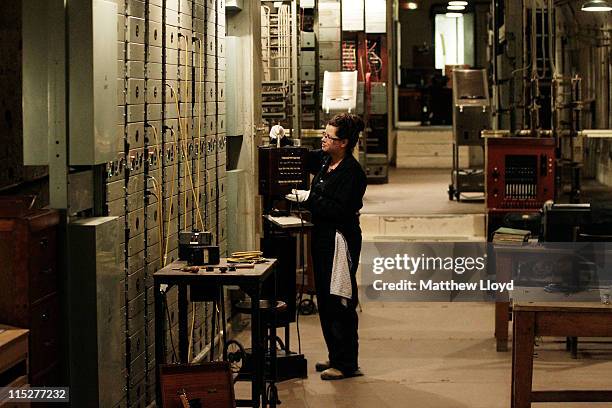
[531,319]
[14,361]
[251,282]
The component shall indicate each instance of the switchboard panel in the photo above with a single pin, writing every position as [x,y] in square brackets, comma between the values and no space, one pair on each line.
[169,122]
[282,169]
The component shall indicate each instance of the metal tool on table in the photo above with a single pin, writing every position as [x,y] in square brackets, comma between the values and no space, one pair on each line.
[231,267]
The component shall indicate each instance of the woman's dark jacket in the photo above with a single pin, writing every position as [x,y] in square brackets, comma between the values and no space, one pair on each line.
[335,200]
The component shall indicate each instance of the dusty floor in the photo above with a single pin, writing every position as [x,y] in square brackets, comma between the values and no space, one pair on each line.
[433,355]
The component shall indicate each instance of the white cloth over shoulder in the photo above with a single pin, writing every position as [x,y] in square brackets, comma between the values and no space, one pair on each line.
[340,284]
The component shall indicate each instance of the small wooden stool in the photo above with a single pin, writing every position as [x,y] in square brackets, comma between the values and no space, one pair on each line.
[573,319]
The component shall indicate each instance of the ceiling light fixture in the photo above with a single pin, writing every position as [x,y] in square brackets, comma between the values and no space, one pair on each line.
[453,15]
[451,7]
[412,5]
[596,5]
[457,3]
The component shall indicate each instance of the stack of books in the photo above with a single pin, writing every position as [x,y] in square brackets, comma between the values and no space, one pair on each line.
[511,236]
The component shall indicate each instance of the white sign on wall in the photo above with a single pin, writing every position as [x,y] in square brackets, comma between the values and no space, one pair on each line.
[375,16]
[352,15]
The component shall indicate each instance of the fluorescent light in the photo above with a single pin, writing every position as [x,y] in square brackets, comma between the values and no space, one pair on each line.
[596,5]
[278,4]
[453,15]
[455,8]
[457,3]
[403,4]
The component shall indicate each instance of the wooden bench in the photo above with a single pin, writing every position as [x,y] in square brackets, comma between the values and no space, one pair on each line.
[531,319]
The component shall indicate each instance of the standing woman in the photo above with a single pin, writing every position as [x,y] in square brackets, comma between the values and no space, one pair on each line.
[335,198]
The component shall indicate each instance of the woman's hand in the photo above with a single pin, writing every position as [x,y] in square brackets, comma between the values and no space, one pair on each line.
[298,196]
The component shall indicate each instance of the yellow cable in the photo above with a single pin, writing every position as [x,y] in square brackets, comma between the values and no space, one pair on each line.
[181,133]
[171,197]
[157,194]
[199,99]
[197,188]
[183,142]
[156,191]
[189,173]
[184,136]
[190,178]
[158,188]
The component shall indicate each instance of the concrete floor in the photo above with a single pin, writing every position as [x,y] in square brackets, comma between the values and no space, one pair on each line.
[435,355]
[432,355]
[416,192]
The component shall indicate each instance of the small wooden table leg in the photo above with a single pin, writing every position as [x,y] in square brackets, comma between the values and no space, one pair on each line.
[501,325]
[574,347]
[522,359]
[512,380]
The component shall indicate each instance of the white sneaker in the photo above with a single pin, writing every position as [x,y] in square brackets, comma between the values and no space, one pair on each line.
[332,374]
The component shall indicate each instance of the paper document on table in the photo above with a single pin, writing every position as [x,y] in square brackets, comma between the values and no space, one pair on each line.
[286,221]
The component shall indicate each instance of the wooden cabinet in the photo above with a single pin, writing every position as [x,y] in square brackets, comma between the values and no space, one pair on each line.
[13,362]
[28,277]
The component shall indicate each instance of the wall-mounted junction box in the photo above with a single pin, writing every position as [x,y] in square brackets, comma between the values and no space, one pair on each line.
[92,82]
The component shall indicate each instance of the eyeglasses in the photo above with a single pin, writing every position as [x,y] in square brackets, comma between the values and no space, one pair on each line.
[324,135]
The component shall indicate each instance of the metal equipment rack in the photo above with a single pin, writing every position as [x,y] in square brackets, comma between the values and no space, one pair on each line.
[471,115]
[274,100]
[280,53]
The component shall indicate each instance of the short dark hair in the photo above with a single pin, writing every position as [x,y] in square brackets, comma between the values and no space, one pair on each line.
[349,126]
